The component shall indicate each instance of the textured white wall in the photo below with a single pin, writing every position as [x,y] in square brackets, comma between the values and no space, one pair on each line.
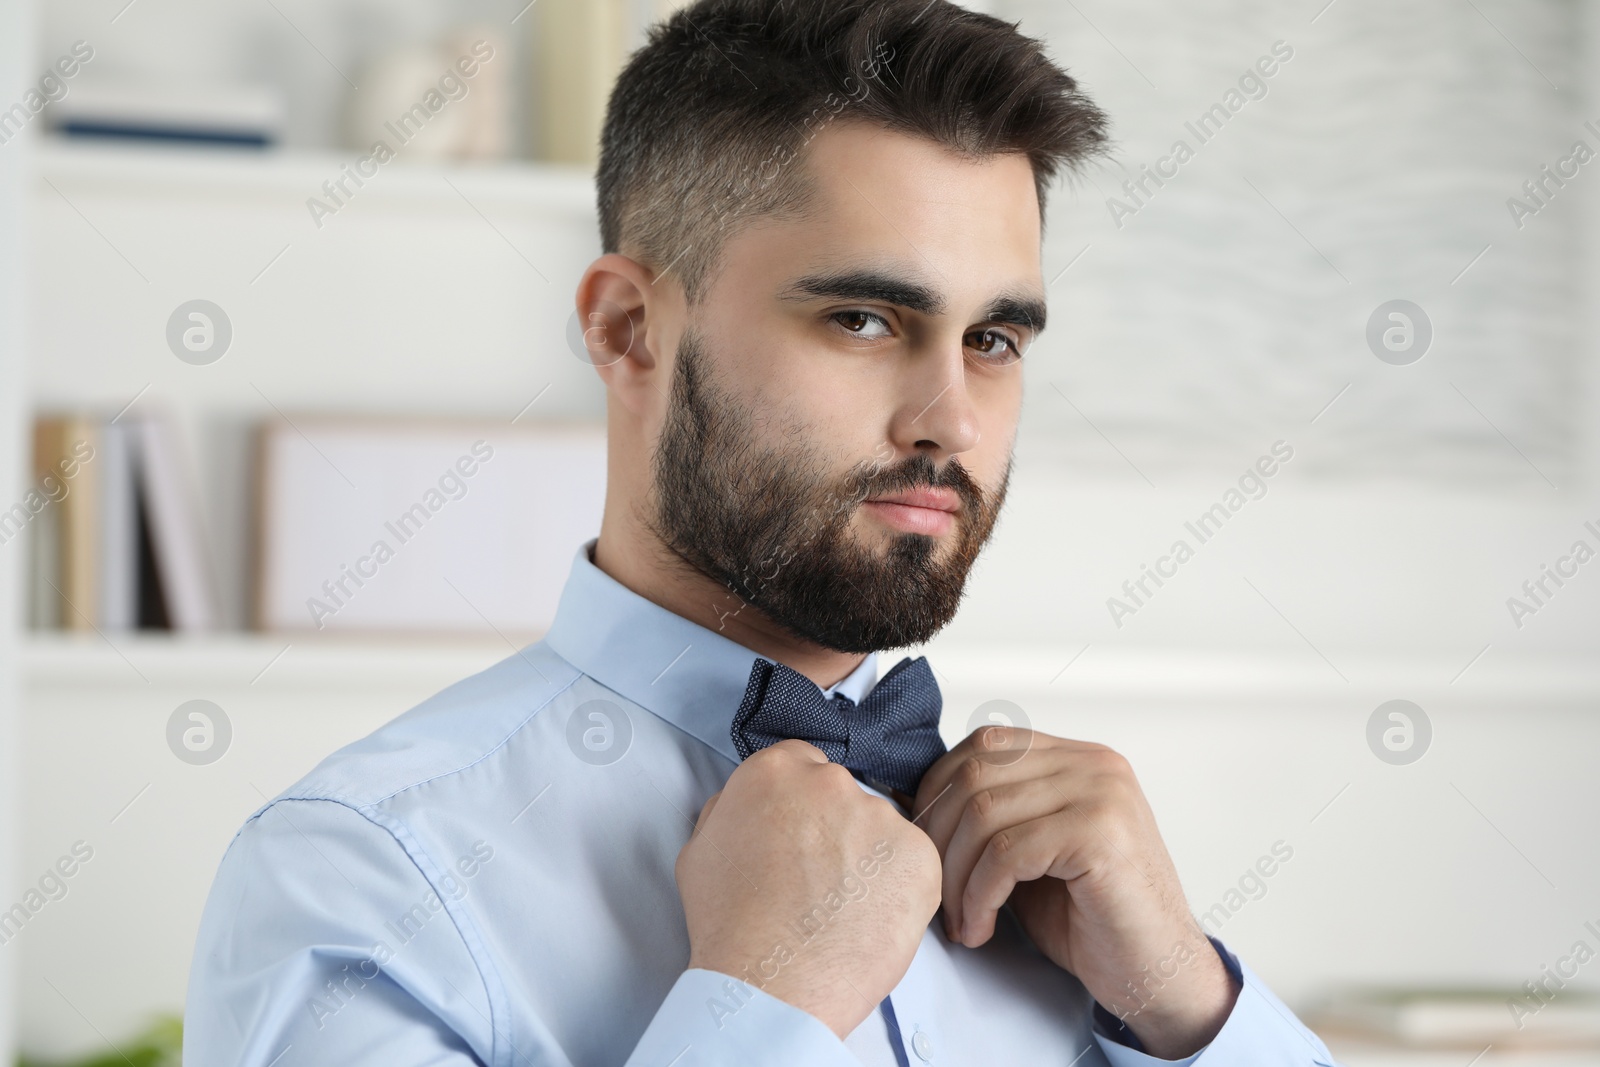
[1231,307]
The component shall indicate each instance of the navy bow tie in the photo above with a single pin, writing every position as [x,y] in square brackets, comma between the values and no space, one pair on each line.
[890,739]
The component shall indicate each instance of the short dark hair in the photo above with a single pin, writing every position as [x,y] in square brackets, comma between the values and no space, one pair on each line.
[707,115]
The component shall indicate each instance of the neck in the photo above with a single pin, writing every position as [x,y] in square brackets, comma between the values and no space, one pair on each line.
[640,562]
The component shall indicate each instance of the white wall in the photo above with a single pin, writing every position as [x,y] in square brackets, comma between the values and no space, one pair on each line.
[16,56]
[1589,285]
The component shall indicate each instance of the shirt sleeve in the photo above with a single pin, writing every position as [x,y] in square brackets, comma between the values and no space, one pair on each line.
[712,1018]
[324,941]
[1260,1029]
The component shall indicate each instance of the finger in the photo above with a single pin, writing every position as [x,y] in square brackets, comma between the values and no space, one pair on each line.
[993,744]
[974,774]
[930,789]
[1017,854]
[990,811]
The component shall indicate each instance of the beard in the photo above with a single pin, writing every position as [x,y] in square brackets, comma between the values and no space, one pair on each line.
[772,524]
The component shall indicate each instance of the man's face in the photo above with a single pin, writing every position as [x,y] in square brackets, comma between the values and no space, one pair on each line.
[845,399]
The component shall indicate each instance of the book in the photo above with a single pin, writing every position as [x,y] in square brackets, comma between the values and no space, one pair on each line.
[178,543]
[65,473]
[1465,1017]
[582,46]
[119,528]
[422,526]
[224,114]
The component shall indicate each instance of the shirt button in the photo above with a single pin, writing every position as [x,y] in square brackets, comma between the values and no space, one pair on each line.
[922,1045]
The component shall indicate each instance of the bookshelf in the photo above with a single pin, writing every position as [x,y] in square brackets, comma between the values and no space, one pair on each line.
[475,329]
[235,174]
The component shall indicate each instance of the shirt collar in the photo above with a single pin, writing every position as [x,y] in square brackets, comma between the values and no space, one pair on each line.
[691,676]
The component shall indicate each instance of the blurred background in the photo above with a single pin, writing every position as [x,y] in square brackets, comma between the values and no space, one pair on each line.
[274,274]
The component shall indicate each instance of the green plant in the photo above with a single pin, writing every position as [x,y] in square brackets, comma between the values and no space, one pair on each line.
[159,1045]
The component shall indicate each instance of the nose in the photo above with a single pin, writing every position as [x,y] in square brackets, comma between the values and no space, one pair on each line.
[936,415]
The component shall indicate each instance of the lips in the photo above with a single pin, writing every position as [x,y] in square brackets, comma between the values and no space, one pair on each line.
[929,497]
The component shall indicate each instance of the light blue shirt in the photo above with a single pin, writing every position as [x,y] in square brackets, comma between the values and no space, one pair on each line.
[488,879]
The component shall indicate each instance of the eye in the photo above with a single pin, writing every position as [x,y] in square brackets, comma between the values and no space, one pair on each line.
[867,324]
[996,346]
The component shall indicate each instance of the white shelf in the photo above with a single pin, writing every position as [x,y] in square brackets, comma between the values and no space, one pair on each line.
[58,661]
[179,171]
[1128,675]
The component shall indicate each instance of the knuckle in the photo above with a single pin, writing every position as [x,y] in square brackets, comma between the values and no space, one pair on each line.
[1099,812]
[1107,757]
[838,779]
[982,804]
[789,746]
[970,773]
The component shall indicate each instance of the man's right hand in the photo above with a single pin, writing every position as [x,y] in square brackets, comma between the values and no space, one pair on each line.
[799,882]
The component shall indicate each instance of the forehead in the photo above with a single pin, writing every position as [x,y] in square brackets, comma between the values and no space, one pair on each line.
[969,227]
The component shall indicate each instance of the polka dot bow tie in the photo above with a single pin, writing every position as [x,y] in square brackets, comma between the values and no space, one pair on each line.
[890,739]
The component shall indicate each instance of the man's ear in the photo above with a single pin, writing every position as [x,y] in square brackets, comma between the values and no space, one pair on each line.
[625,318]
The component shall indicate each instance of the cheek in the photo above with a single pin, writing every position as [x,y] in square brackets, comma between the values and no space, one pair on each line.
[837,407]
[998,406]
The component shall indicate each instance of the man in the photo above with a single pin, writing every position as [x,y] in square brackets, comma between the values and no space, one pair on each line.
[688,827]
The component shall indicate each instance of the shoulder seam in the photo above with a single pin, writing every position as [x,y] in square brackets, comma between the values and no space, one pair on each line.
[401,835]
[308,794]
[490,751]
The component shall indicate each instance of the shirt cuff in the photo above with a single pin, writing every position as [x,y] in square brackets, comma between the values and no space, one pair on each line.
[712,1018]
[1259,1029]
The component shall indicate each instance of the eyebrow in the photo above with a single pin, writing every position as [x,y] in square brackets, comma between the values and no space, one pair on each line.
[1011,308]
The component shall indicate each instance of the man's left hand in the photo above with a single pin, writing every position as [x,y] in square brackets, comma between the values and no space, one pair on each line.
[1061,830]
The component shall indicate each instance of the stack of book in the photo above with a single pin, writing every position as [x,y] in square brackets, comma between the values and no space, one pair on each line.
[1525,1018]
[115,536]
[582,46]
[239,115]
